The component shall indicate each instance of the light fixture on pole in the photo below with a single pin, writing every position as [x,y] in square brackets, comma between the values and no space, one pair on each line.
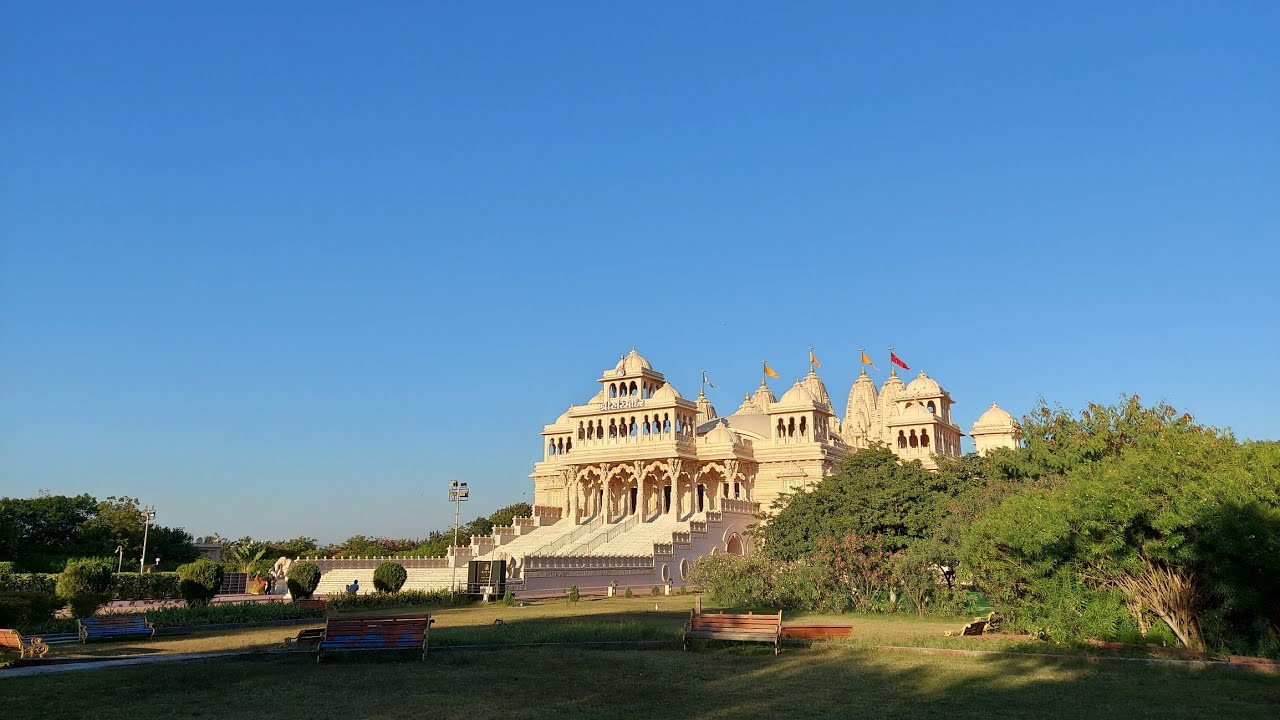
[148,517]
[457,493]
[120,557]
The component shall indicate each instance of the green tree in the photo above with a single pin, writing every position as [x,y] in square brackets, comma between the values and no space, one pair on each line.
[871,493]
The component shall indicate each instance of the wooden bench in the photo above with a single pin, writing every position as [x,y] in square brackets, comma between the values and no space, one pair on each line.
[107,627]
[384,633]
[309,636]
[974,628]
[26,646]
[817,632]
[312,603]
[735,626]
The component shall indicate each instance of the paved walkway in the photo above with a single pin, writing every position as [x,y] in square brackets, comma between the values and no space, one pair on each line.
[113,663]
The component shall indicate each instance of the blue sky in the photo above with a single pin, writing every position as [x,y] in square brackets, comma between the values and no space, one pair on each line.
[288,269]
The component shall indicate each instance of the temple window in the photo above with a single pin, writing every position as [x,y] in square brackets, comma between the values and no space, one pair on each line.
[568,446]
[782,430]
[634,427]
[613,390]
[924,438]
[913,440]
[902,439]
[633,387]
[551,448]
[791,427]
[613,428]
[666,423]
[933,409]
[580,431]
[802,427]
[645,427]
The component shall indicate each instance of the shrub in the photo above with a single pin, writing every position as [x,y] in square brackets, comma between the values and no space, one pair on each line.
[6,567]
[232,613]
[389,577]
[25,608]
[199,581]
[629,593]
[145,586]
[404,598]
[34,582]
[85,586]
[508,599]
[574,594]
[303,579]
[655,591]
[736,580]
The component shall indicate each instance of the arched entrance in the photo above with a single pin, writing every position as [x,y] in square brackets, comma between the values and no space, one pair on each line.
[735,546]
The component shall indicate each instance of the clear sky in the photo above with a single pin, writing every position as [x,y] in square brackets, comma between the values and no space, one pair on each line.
[287,268]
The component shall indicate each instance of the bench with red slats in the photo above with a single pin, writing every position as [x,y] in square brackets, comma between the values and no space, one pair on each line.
[817,632]
[740,627]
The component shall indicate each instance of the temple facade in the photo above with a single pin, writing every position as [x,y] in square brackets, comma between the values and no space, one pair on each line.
[638,447]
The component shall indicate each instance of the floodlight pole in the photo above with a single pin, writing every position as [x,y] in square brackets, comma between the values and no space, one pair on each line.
[148,515]
[120,555]
[457,493]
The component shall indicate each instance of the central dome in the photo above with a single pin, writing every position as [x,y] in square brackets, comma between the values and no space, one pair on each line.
[633,363]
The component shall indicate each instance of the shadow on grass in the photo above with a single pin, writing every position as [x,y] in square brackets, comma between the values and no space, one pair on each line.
[711,684]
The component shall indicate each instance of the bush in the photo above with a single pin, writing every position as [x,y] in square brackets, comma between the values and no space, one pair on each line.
[404,598]
[508,599]
[6,567]
[198,582]
[389,577]
[85,586]
[574,594]
[25,608]
[303,579]
[655,591]
[629,593]
[232,613]
[145,586]
[33,582]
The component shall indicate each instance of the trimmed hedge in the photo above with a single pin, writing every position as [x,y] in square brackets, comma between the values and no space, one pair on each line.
[29,582]
[389,577]
[145,586]
[229,614]
[6,566]
[199,581]
[404,598]
[303,579]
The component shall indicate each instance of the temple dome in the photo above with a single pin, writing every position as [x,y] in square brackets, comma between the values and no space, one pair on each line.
[633,363]
[995,417]
[721,434]
[924,385]
[666,392]
[797,395]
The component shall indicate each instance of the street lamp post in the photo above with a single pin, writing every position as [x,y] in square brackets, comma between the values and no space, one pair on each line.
[457,493]
[148,516]
[120,555]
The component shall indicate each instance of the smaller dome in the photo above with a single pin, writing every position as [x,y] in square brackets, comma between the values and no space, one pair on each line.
[916,413]
[634,362]
[748,406]
[666,392]
[797,395]
[995,417]
[924,385]
[721,434]
[563,419]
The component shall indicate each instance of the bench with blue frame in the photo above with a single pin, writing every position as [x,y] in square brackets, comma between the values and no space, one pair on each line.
[109,627]
[382,633]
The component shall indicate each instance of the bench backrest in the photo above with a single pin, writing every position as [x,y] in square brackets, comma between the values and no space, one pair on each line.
[376,633]
[12,639]
[974,628]
[312,603]
[749,622]
[108,625]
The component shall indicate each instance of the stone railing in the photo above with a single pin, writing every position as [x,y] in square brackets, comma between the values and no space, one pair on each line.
[681,538]
[588,562]
[745,507]
[698,527]
[362,563]
[613,532]
[714,517]
[525,523]
[504,531]
[551,547]
[664,549]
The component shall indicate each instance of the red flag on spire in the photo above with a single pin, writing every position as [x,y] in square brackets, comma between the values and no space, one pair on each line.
[897,361]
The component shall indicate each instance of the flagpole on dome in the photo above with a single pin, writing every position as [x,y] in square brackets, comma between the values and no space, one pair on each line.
[893,371]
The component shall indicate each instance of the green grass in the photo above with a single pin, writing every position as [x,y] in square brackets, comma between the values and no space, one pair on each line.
[655,681]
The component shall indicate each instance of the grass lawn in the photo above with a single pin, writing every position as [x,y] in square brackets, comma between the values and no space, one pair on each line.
[720,681]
